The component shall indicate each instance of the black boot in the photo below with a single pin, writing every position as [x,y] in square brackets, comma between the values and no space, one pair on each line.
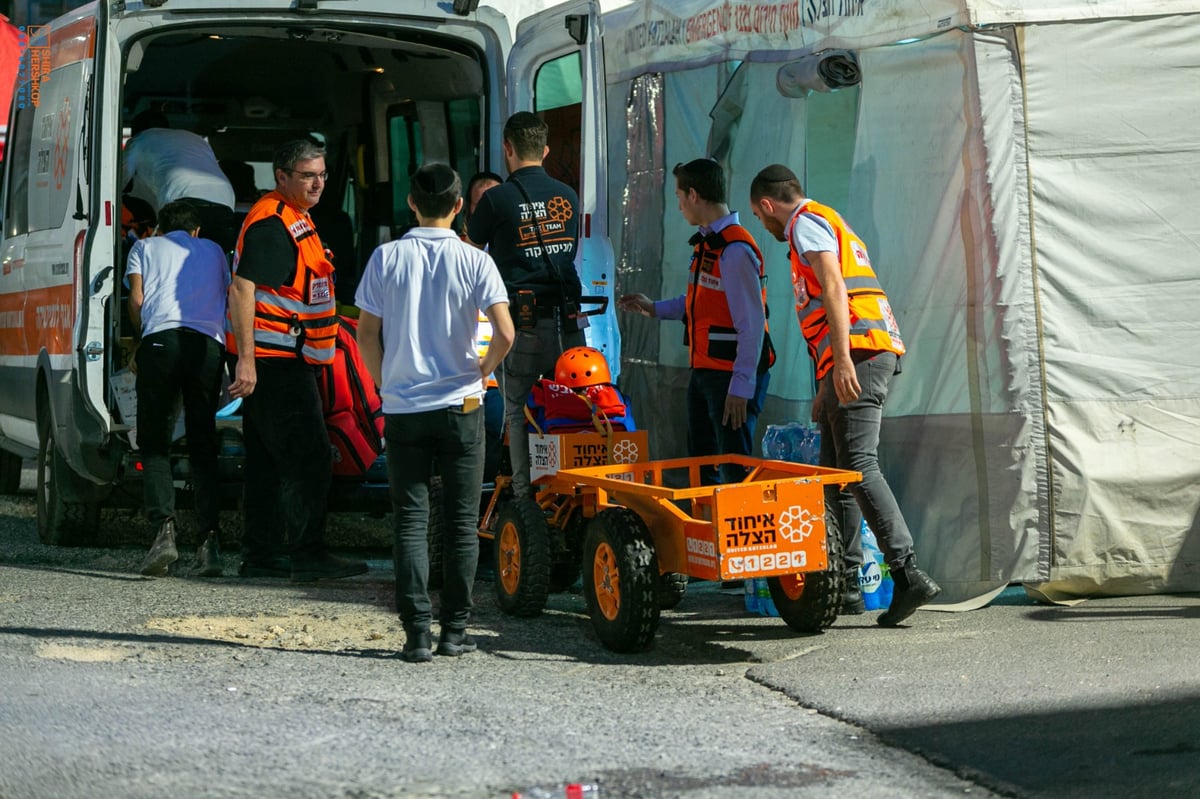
[914,588]
[208,557]
[852,599]
[162,552]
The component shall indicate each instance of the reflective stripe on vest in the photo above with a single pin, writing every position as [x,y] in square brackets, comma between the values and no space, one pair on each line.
[708,326]
[300,317]
[872,323]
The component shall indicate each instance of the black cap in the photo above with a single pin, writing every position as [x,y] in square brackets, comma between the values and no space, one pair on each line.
[434,178]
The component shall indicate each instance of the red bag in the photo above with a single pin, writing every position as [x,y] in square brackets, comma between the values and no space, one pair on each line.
[353,409]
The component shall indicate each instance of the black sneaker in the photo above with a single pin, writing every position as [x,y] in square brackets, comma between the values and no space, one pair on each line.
[914,588]
[162,552]
[277,566]
[326,567]
[418,648]
[453,643]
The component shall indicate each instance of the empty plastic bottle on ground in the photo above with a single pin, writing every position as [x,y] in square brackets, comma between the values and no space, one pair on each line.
[574,790]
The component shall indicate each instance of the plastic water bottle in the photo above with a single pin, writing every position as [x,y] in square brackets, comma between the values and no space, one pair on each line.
[572,790]
[875,580]
[758,597]
[751,596]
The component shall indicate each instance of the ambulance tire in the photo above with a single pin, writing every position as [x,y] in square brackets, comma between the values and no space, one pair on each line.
[672,587]
[522,556]
[10,472]
[809,602]
[620,580]
[434,533]
[65,516]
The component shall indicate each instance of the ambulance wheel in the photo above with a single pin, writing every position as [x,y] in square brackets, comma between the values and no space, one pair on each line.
[522,550]
[10,472]
[672,586]
[810,601]
[434,533]
[620,580]
[62,520]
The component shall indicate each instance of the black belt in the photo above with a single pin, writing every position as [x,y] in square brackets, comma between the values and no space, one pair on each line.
[546,311]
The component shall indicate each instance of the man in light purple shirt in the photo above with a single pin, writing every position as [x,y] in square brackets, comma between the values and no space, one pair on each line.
[724,315]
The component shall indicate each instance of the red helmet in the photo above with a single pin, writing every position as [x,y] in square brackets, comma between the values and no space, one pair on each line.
[580,367]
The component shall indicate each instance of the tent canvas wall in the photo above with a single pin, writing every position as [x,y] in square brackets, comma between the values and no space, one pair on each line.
[1027,178]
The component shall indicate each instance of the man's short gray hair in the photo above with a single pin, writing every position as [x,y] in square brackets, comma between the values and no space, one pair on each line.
[293,152]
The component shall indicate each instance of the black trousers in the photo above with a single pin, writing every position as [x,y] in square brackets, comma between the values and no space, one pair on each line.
[454,441]
[288,463]
[171,364]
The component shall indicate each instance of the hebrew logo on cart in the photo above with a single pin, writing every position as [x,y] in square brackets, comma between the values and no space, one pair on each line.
[771,541]
[549,453]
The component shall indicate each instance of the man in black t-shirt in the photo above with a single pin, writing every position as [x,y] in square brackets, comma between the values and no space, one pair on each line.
[530,225]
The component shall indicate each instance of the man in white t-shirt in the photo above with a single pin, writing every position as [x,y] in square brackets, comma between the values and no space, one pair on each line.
[162,165]
[177,295]
[420,298]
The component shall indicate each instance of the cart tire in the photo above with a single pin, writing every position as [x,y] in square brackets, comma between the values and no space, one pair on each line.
[620,580]
[522,550]
[66,516]
[434,533]
[809,602]
[672,586]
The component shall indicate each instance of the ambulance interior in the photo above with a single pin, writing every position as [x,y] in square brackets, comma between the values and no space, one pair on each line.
[384,101]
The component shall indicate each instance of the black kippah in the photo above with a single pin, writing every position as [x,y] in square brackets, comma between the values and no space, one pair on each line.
[434,178]
[777,173]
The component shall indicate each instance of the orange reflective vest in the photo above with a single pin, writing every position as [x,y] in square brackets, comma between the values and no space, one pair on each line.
[872,324]
[299,319]
[708,329]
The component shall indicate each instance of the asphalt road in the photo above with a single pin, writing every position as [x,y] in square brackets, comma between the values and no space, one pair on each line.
[119,686]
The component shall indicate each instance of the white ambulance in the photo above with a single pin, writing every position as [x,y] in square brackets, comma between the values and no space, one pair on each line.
[387,86]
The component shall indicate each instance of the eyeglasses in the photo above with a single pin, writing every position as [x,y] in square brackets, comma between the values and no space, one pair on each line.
[309,177]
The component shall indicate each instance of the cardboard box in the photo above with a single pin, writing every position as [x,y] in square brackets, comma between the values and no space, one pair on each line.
[550,452]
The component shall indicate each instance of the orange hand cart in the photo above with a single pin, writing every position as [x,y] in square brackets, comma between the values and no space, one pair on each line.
[637,540]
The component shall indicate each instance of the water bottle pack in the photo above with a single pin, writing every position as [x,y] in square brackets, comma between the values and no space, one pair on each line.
[795,442]
[758,597]
[875,580]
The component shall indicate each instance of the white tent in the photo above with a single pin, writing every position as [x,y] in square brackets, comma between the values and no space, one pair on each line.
[1027,178]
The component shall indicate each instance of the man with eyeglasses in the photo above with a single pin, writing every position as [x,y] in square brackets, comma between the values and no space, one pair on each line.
[284,324]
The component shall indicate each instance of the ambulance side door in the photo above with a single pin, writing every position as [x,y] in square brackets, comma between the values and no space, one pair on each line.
[556,69]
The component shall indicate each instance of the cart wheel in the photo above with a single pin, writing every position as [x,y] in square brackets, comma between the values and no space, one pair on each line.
[671,589]
[620,580]
[522,549]
[809,602]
